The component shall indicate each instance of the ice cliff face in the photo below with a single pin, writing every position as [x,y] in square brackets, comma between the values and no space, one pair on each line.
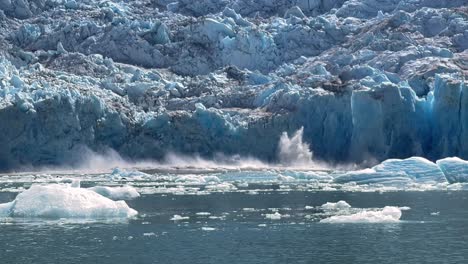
[364,78]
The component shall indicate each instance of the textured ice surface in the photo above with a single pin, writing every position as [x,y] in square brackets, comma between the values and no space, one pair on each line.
[417,168]
[455,169]
[365,79]
[116,193]
[57,201]
[396,171]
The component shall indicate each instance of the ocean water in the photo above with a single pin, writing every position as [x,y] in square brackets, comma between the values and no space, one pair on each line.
[234,227]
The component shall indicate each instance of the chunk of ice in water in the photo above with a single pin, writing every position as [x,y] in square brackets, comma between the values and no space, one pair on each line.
[340,205]
[64,201]
[389,214]
[179,218]
[275,216]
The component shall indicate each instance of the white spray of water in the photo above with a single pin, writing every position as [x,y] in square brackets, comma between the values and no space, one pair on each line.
[293,151]
[219,161]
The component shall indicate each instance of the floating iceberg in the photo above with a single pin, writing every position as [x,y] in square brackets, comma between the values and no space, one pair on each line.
[370,176]
[58,201]
[274,216]
[389,214]
[179,218]
[419,169]
[396,171]
[340,205]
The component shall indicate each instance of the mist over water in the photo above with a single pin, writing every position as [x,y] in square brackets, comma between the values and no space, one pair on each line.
[293,153]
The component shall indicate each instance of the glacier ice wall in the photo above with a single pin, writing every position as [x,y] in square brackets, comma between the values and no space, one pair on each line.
[366,79]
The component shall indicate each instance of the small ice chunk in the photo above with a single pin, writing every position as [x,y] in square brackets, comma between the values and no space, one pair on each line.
[389,214]
[275,216]
[340,205]
[179,218]
[207,228]
[221,187]
[203,213]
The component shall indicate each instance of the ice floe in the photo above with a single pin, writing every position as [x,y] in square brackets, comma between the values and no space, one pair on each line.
[389,214]
[56,201]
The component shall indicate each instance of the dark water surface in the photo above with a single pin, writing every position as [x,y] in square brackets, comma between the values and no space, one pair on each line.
[434,230]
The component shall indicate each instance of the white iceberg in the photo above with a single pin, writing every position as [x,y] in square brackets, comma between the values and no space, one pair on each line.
[274,216]
[389,214]
[58,201]
[179,218]
[397,172]
[340,205]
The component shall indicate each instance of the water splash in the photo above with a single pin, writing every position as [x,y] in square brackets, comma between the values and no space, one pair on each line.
[293,151]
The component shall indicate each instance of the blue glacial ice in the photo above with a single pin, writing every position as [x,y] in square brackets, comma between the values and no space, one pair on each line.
[366,80]
[455,169]
[412,170]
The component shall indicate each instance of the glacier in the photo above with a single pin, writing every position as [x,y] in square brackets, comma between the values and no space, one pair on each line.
[366,80]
